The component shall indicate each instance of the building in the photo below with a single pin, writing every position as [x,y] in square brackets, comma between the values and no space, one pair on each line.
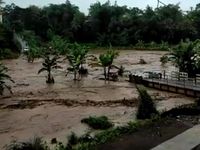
[1,17]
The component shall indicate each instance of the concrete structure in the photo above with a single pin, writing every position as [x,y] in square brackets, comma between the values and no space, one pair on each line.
[1,17]
[184,141]
[179,87]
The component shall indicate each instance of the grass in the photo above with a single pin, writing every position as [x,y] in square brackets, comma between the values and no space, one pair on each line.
[101,122]
[113,133]
[33,144]
[88,142]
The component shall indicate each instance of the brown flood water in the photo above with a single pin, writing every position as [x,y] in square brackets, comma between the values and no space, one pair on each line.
[38,109]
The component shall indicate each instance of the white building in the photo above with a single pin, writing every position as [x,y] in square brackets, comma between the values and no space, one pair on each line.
[1,17]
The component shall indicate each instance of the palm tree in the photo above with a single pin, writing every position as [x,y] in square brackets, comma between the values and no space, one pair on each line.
[49,64]
[3,78]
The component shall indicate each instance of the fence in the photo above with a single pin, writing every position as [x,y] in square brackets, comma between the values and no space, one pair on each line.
[180,79]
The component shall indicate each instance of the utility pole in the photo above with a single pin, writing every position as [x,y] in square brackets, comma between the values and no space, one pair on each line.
[159,2]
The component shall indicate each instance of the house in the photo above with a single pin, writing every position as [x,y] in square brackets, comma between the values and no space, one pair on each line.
[1,17]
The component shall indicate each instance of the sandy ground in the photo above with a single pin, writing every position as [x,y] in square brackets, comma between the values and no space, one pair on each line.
[38,109]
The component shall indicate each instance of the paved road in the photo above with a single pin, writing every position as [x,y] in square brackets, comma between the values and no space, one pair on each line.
[184,141]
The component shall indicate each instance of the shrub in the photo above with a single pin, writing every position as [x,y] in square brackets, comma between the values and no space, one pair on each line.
[188,110]
[34,144]
[72,139]
[98,122]
[146,107]
[164,59]
[142,61]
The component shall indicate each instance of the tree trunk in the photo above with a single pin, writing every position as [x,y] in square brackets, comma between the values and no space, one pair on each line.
[109,72]
[105,73]
[75,73]
[50,78]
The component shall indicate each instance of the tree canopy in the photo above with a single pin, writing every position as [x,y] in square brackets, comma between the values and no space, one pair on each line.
[107,24]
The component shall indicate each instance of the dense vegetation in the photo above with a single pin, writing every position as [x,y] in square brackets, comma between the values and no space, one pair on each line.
[106,23]
[146,107]
[8,48]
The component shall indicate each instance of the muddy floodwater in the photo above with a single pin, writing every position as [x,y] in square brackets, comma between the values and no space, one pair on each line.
[49,111]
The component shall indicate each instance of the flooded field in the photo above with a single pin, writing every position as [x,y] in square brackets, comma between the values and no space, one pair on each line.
[38,109]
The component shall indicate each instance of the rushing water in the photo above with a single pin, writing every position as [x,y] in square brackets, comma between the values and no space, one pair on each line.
[36,108]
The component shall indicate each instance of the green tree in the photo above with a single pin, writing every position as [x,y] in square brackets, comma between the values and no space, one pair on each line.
[58,45]
[146,107]
[77,57]
[106,23]
[106,61]
[3,78]
[183,57]
[49,64]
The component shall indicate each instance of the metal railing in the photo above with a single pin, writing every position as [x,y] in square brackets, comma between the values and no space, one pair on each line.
[185,82]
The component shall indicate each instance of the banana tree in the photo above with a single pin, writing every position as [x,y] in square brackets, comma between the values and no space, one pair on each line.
[77,56]
[32,53]
[74,62]
[3,78]
[106,61]
[78,50]
[49,64]
[183,57]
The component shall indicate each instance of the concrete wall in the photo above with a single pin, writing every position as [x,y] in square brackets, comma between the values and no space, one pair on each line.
[173,89]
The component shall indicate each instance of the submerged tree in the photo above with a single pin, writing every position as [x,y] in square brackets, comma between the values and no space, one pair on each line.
[77,57]
[106,61]
[49,64]
[3,78]
[32,53]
